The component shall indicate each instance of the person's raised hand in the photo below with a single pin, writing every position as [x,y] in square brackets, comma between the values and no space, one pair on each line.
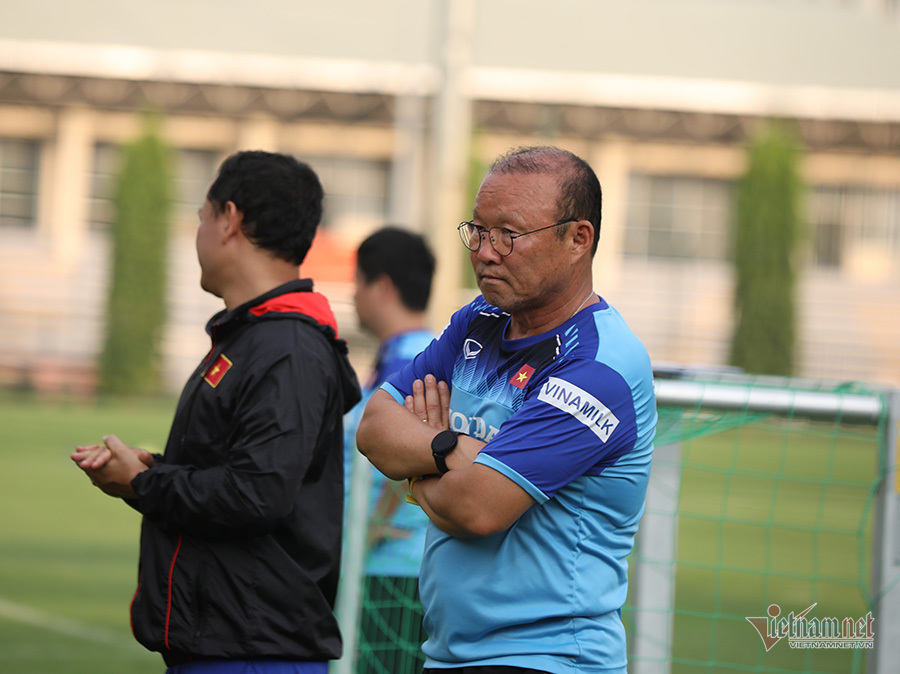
[430,402]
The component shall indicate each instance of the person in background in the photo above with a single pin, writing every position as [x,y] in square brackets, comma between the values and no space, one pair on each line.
[526,432]
[242,515]
[394,271]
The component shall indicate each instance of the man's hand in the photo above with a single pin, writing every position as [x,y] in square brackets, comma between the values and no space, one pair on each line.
[380,528]
[113,465]
[430,402]
[397,442]
[470,499]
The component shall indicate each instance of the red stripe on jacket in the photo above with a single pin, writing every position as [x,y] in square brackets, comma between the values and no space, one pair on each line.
[169,599]
[312,304]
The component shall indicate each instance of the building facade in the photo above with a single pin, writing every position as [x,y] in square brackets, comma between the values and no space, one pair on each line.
[667,148]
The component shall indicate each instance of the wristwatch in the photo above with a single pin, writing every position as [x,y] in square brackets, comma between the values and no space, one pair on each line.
[441,445]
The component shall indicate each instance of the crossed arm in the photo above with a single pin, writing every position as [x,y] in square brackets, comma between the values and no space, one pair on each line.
[471,499]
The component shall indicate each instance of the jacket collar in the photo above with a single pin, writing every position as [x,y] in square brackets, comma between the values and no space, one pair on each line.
[294,297]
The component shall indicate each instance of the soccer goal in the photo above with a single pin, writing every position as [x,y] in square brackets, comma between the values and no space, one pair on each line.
[769,540]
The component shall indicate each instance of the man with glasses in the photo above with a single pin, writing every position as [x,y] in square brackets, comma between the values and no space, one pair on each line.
[533,458]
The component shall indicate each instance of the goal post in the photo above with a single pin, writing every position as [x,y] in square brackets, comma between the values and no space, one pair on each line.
[764,491]
[886,548]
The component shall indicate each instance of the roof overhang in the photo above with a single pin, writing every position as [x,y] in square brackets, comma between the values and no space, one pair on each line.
[481,83]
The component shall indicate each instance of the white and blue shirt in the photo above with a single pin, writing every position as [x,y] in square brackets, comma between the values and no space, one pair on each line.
[398,557]
[569,416]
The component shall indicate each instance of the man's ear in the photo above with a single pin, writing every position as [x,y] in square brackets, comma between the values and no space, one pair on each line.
[582,236]
[234,221]
[384,284]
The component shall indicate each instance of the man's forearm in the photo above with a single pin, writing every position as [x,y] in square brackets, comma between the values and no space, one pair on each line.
[471,502]
[433,495]
[470,499]
[398,443]
[394,440]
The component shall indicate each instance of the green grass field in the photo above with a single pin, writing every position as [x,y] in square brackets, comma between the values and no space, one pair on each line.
[769,513]
[68,553]
[772,512]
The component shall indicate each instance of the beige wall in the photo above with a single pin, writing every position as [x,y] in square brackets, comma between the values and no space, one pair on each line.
[52,279]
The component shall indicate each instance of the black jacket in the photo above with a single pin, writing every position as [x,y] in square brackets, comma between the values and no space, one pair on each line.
[241,535]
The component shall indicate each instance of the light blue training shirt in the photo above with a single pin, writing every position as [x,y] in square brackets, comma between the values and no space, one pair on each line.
[569,416]
[400,556]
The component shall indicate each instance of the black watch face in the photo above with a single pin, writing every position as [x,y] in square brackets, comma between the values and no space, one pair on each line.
[444,442]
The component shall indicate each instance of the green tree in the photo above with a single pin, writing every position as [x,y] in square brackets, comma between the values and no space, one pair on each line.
[136,307]
[768,229]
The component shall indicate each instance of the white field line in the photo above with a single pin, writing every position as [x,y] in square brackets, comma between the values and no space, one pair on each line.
[29,616]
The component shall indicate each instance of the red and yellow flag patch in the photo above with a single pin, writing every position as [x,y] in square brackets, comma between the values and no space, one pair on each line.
[217,370]
[520,378]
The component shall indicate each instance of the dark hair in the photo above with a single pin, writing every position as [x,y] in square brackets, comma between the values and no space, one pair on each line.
[580,196]
[279,197]
[405,258]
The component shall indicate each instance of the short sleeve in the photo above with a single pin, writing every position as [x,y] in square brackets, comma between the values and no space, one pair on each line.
[577,420]
[437,358]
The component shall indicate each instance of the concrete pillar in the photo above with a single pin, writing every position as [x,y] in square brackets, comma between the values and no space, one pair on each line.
[258,133]
[611,164]
[408,167]
[450,138]
[67,221]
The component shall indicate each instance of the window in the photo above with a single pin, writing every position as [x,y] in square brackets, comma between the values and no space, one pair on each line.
[103,180]
[194,170]
[843,217]
[678,217]
[18,182]
[356,190]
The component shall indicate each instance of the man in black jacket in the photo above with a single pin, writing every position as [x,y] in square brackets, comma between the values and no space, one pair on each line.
[240,541]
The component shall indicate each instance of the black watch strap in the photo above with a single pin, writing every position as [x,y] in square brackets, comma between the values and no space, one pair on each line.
[441,445]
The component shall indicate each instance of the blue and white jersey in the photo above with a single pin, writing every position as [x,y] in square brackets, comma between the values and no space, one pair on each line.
[395,556]
[569,416]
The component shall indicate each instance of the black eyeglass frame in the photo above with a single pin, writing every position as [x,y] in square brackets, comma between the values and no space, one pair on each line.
[512,237]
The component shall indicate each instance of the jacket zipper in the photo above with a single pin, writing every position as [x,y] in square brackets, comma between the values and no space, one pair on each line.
[212,349]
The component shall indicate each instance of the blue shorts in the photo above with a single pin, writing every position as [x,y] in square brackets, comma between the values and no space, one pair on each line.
[249,667]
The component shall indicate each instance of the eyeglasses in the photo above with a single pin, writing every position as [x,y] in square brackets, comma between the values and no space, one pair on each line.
[473,235]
